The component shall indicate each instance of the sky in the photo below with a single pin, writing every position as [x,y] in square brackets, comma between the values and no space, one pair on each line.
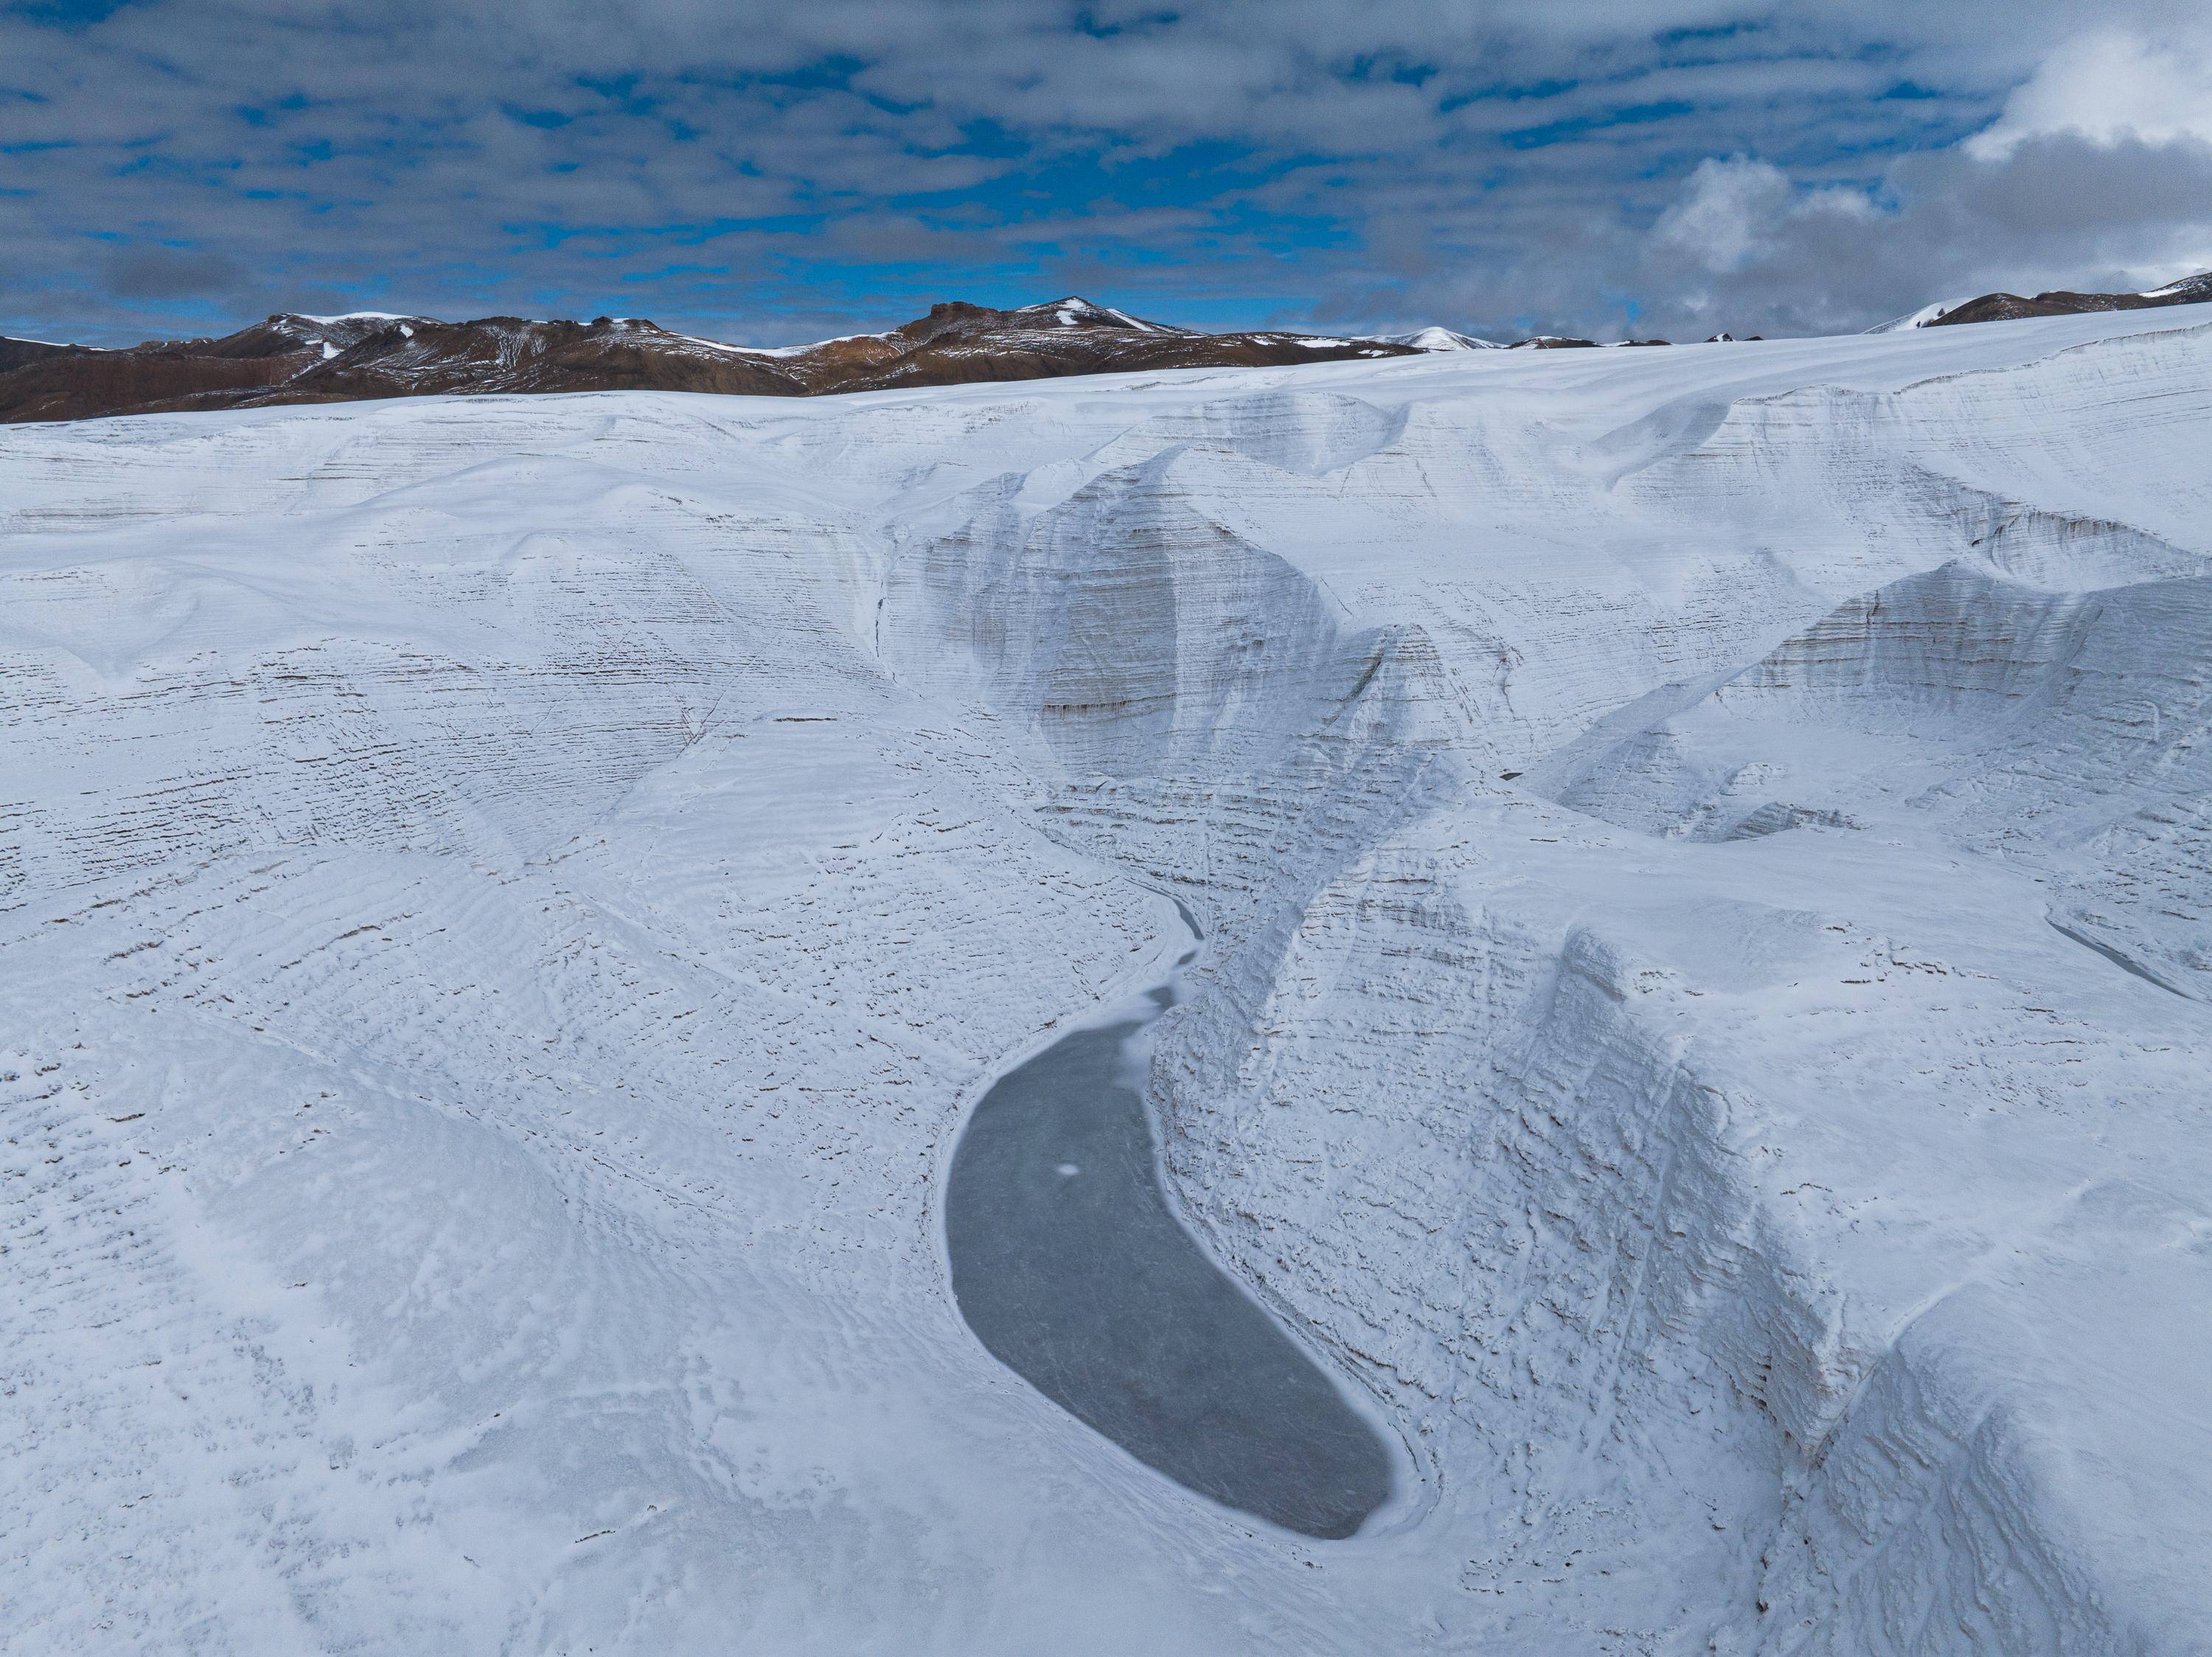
[770,173]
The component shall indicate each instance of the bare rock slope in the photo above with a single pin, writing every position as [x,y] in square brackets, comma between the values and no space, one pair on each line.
[2009,307]
[304,359]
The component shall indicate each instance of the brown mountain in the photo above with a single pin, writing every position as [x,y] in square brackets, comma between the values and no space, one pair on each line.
[304,359]
[2007,307]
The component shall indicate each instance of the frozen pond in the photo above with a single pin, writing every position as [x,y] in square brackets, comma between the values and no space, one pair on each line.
[1071,1270]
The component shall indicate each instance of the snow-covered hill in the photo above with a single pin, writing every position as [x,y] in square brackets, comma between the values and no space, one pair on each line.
[1706,870]
[1436,338]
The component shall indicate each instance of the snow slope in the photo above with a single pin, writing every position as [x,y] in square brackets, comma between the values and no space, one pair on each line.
[1436,338]
[504,902]
[1919,318]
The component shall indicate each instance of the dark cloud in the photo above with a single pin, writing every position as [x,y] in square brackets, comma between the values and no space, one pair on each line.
[160,273]
[769,171]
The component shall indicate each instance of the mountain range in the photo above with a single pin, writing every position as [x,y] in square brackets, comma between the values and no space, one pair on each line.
[363,355]
[370,355]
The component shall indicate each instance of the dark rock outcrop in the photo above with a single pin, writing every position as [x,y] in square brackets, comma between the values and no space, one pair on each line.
[2009,307]
[302,359]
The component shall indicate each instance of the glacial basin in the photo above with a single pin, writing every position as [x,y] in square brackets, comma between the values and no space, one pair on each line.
[1071,1268]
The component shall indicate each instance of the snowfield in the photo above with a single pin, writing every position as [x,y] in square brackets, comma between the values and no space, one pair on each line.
[1706,1022]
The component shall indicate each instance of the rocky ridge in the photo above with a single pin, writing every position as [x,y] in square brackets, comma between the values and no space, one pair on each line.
[2011,308]
[363,356]
[371,355]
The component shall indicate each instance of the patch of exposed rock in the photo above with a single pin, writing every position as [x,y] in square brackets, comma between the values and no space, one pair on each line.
[2010,307]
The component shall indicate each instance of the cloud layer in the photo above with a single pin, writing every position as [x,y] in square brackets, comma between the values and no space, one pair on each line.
[773,173]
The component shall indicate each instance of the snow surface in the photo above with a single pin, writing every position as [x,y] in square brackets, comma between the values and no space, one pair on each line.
[504,901]
[775,351]
[1919,318]
[1071,311]
[1435,338]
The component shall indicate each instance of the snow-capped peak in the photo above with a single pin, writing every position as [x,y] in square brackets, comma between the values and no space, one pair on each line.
[1435,338]
[1075,312]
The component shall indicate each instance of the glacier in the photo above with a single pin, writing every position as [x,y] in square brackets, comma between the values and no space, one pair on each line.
[1705,859]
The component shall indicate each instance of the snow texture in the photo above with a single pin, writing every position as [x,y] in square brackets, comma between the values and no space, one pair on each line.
[1706,868]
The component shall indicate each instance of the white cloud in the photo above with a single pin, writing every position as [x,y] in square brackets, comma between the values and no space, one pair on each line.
[1725,211]
[1731,211]
[2107,87]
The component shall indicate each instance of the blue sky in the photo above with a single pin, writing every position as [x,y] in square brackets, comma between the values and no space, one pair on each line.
[776,172]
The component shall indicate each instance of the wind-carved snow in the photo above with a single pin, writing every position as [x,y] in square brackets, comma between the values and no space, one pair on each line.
[507,901]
